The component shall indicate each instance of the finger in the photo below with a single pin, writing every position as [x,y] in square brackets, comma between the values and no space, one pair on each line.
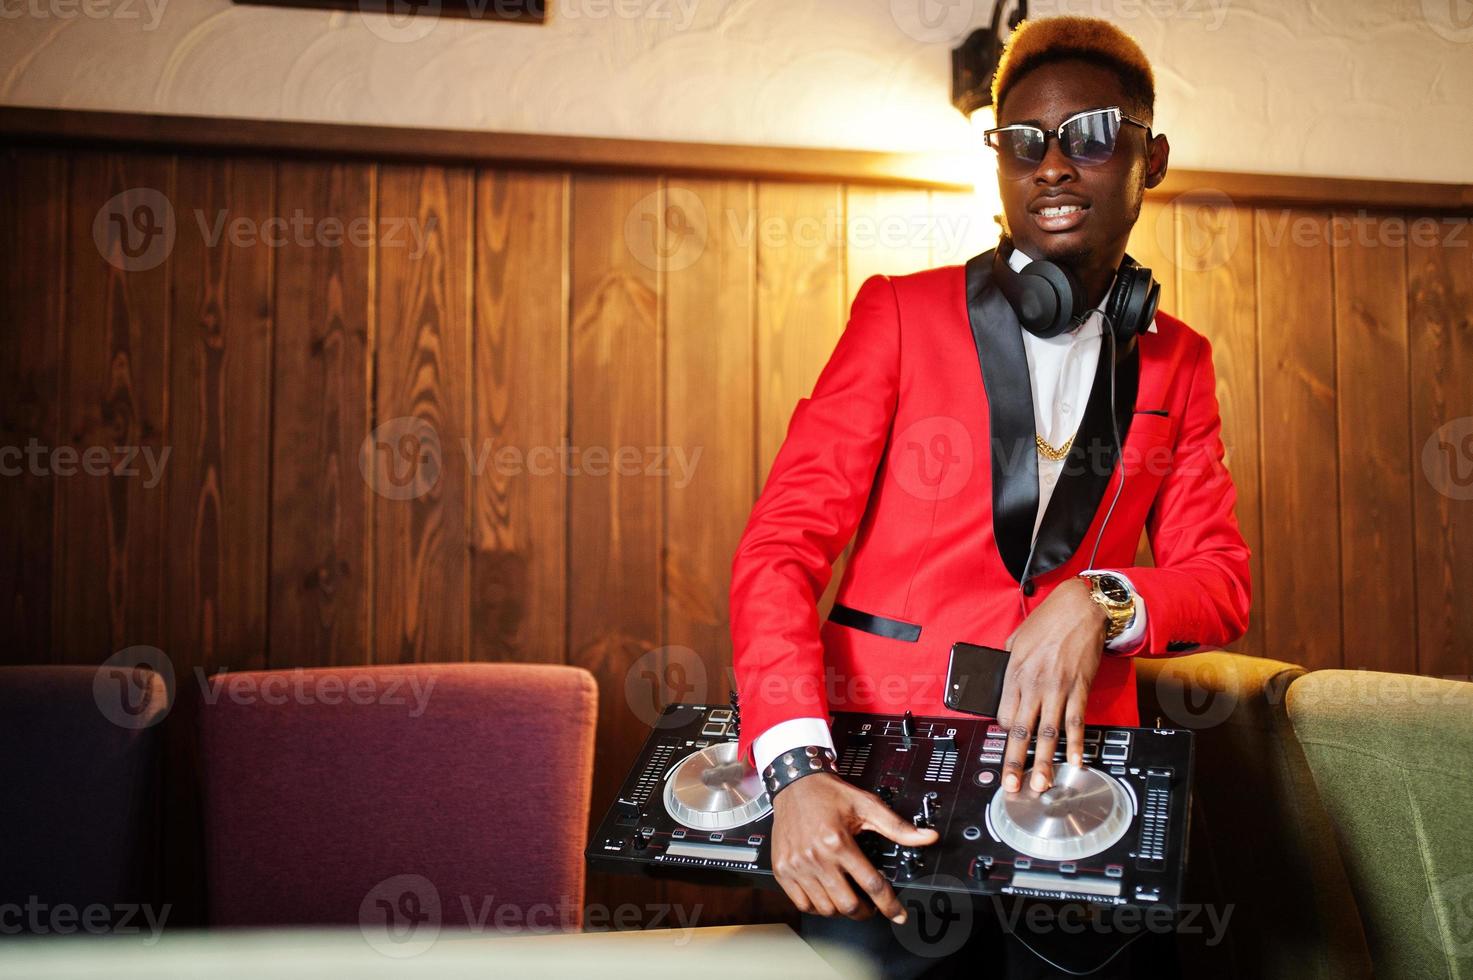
[873,884]
[841,894]
[1020,729]
[1074,725]
[818,896]
[876,816]
[794,891]
[1050,718]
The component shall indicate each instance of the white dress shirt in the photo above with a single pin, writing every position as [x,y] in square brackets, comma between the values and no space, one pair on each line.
[1062,372]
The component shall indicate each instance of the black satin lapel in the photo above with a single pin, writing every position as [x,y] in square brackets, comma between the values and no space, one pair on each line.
[1087,473]
[999,341]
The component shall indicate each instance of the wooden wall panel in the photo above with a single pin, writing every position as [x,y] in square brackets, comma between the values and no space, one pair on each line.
[114,376]
[1379,625]
[422,414]
[33,237]
[615,514]
[1300,605]
[709,411]
[1215,263]
[653,315]
[1440,288]
[219,390]
[321,370]
[890,233]
[518,603]
[710,405]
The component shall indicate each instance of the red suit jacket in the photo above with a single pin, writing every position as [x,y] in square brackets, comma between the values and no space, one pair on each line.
[919,436]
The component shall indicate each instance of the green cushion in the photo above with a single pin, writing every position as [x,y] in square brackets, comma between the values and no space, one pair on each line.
[1392,755]
[1261,847]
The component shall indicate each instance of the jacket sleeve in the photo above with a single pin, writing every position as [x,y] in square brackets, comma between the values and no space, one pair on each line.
[1198,594]
[809,508]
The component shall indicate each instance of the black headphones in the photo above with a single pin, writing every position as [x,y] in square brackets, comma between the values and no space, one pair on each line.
[1049,300]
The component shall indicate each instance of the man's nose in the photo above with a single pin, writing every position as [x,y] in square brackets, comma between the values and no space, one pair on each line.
[1055,167]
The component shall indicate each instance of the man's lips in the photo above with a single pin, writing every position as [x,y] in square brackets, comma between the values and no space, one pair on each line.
[1059,214]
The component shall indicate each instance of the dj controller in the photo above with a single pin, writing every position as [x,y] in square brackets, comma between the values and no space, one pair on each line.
[1112,831]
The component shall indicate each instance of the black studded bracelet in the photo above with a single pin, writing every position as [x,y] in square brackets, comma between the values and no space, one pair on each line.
[794,764]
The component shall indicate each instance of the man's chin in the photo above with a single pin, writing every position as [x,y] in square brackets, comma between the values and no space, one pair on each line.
[1070,250]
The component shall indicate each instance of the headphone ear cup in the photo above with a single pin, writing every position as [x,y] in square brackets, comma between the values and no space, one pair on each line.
[1132,305]
[1058,298]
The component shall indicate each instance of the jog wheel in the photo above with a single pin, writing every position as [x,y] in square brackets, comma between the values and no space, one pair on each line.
[714,790]
[1082,813]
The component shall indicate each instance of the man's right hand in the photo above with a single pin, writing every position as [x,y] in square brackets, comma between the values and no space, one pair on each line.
[814,855]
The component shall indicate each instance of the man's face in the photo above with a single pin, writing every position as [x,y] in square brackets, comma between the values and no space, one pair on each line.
[1109,195]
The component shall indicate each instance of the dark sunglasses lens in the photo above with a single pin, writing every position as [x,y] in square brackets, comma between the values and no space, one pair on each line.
[1090,139]
[1018,150]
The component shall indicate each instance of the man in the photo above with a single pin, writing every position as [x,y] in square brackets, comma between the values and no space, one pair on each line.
[911,438]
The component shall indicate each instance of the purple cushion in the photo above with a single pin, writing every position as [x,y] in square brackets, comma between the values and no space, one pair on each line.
[322,787]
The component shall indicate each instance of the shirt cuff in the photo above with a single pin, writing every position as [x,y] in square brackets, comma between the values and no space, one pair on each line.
[791,734]
[1132,635]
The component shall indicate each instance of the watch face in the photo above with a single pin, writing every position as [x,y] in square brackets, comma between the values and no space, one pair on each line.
[1112,588]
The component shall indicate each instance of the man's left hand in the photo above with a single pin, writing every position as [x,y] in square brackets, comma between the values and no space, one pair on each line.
[1054,657]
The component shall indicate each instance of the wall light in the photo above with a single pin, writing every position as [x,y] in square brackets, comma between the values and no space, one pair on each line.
[974,62]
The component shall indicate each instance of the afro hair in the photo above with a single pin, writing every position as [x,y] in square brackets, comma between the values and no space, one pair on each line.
[1039,42]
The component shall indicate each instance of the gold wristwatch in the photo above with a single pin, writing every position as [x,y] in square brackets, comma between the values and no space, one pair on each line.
[1112,595]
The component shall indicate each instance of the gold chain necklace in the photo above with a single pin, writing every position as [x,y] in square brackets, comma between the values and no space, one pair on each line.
[1050,452]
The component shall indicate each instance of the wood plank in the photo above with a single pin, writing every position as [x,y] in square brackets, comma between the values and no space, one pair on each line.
[890,233]
[710,432]
[519,497]
[710,414]
[615,513]
[1371,365]
[219,390]
[1440,289]
[422,363]
[110,530]
[32,300]
[321,369]
[1215,262]
[800,310]
[1301,511]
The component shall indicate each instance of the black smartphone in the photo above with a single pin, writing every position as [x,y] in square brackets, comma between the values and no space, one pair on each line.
[974,679]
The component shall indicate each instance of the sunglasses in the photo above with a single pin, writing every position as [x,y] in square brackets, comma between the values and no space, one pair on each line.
[1087,138]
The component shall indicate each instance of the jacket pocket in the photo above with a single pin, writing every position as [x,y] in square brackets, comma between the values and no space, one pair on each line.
[893,629]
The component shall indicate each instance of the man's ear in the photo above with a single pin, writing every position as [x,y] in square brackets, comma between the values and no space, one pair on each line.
[1156,162]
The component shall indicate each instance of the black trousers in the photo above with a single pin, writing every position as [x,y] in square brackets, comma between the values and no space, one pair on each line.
[958,936]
